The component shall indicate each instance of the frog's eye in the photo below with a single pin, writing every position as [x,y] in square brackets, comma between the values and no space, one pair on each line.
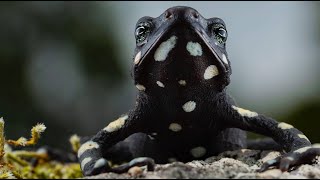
[220,34]
[142,32]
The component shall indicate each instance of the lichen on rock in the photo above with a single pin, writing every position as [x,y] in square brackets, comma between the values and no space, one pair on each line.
[239,164]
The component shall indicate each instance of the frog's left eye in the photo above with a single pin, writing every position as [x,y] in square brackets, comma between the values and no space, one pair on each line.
[220,34]
[142,31]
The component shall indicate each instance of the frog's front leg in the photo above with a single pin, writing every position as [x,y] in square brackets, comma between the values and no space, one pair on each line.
[294,142]
[90,153]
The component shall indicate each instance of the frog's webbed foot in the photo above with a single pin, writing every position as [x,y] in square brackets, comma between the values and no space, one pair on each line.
[300,156]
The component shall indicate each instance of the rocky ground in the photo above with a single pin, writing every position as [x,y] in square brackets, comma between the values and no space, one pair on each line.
[241,164]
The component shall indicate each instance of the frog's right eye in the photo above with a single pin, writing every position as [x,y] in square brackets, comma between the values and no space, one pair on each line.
[142,31]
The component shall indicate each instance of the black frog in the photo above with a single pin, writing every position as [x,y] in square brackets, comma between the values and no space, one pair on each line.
[182,111]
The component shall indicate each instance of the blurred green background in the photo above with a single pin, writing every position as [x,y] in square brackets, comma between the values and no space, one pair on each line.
[67,64]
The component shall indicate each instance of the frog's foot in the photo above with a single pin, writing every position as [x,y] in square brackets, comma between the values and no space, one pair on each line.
[300,156]
[141,161]
[103,166]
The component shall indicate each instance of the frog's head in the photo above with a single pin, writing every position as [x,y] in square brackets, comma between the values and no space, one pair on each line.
[180,48]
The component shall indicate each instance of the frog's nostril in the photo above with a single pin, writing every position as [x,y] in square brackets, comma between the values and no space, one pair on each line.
[195,15]
[168,15]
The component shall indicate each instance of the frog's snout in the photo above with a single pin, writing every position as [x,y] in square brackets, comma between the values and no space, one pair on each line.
[181,13]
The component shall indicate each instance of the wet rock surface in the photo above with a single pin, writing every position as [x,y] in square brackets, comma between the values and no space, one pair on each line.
[240,164]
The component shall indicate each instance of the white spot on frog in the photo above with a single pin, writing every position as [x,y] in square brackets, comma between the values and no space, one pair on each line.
[284,126]
[175,127]
[198,152]
[85,161]
[302,150]
[224,59]
[303,137]
[160,84]
[154,134]
[189,106]
[316,145]
[194,48]
[140,87]
[244,112]
[116,125]
[182,82]
[137,58]
[211,72]
[87,146]
[164,49]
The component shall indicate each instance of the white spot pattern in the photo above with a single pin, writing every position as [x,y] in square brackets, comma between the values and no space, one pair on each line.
[141,87]
[244,112]
[87,146]
[160,84]
[302,150]
[164,49]
[303,137]
[175,127]
[194,48]
[137,58]
[85,161]
[198,151]
[224,59]
[284,126]
[210,72]
[116,125]
[189,106]
[182,82]
[316,145]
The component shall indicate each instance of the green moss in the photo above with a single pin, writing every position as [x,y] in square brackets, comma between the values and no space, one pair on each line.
[17,163]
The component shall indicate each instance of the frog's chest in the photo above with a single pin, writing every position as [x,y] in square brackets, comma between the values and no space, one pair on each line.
[183,117]
[184,145]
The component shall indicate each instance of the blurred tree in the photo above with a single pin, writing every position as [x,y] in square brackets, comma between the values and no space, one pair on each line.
[25,26]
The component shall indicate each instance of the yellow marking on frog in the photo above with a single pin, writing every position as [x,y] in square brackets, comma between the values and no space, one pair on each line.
[87,146]
[198,152]
[141,87]
[116,125]
[284,126]
[210,72]
[302,150]
[189,106]
[164,49]
[160,84]
[194,48]
[303,137]
[316,145]
[182,82]
[137,58]
[175,127]
[244,112]
[85,161]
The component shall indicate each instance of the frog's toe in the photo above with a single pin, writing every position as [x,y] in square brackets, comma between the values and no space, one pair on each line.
[270,163]
[141,161]
[90,167]
[304,155]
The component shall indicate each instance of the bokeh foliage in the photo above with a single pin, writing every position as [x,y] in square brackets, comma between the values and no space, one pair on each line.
[23,26]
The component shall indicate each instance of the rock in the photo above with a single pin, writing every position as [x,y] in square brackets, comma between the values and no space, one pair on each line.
[239,164]
[135,171]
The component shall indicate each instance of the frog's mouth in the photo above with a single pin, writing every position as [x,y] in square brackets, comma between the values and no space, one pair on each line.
[194,31]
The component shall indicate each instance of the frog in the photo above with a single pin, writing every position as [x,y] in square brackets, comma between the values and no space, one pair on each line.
[183,112]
